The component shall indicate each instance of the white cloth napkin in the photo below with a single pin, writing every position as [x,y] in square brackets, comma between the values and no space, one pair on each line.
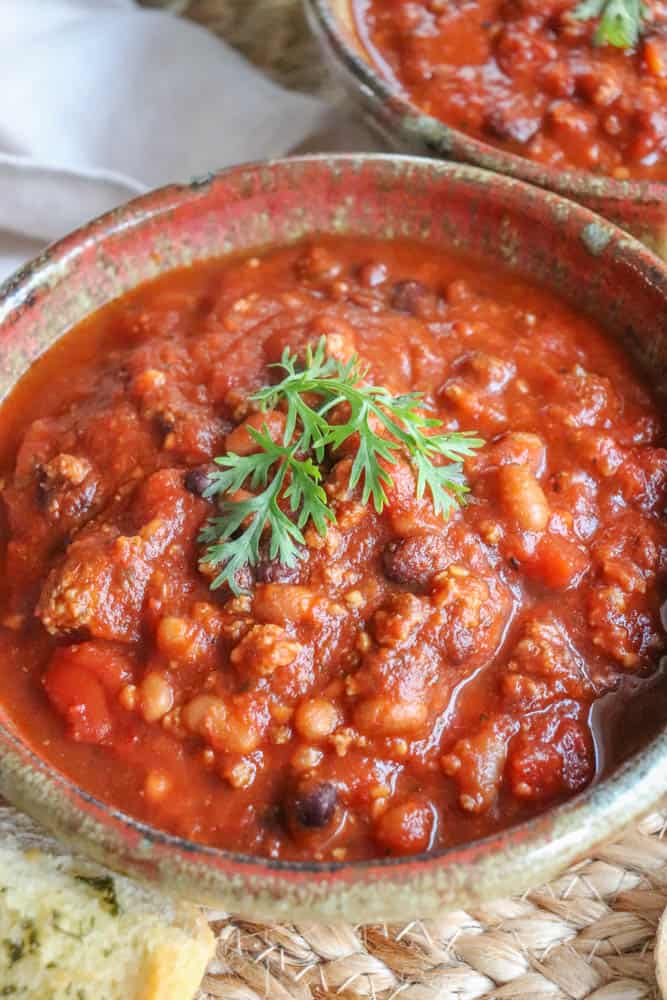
[101,99]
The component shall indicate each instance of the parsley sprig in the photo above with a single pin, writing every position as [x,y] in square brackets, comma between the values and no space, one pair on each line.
[289,471]
[268,470]
[621,21]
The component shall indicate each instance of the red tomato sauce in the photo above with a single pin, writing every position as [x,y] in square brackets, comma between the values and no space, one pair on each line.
[411,683]
[525,76]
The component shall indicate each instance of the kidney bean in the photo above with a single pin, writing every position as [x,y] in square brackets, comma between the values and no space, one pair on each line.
[412,297]
[198,480]
[407,828]
[270,570]
[414,561]
[522,497]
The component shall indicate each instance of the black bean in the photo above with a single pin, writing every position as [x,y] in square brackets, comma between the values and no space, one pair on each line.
[164,422]
[42,492]
[197,480]
[316,807]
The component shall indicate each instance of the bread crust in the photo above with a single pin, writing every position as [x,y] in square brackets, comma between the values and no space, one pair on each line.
[70,927]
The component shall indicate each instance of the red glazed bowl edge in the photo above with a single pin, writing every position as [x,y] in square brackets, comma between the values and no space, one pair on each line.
[639,206]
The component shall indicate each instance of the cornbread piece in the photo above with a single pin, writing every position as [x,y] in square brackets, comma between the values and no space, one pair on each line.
[69,928]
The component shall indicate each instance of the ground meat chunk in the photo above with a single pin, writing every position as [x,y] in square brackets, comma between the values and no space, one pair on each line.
[188,428]
[577,492]
[587,399]
[623,628]
[60,485]
[466,611]
[66,486]
[630,552]
[263,650]
[396,691]
[426,644]
[396,621]
[477,763]
[598,450]
[99,588]
[62,492]
[629,556]
[544,664]
[643,477]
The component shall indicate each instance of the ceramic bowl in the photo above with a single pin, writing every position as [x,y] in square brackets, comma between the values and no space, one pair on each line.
[536,235]
[638,206]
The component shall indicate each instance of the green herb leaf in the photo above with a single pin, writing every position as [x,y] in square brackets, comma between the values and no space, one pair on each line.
[288,471]
[28,945]
[621,21]
[105,887]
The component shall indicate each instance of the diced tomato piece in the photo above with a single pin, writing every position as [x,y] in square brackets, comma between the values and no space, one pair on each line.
[477,763]
[655,55]
[105,660]
[407,828]
[552,758]
[407,514]
[557,562]
[78,696]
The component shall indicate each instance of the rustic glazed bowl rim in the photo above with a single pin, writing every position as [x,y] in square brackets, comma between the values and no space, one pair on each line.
[445,140]
[548,841]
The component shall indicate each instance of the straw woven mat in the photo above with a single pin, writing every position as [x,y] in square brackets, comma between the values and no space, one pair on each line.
[588,935]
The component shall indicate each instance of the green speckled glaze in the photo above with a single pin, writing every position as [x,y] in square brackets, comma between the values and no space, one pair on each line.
[638,206]
[540,237]
[595,237]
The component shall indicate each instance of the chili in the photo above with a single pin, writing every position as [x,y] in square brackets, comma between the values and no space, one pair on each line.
[411,682]
[528,77]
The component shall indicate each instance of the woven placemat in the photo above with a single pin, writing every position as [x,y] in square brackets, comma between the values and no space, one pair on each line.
[588,935]
[272,34]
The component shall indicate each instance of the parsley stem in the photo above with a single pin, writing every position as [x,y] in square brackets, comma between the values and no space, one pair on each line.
[621,21]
